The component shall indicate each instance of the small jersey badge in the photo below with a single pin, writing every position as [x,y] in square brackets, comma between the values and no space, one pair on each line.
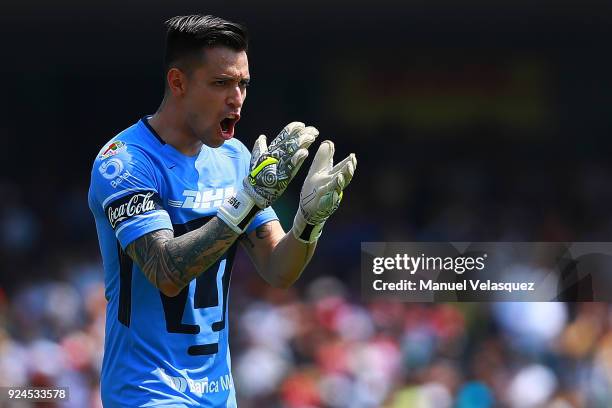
[113,149]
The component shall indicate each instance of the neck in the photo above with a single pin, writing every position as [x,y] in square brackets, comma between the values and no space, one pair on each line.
[171,125]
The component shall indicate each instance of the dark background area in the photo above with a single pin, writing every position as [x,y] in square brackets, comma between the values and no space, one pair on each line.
[476,121]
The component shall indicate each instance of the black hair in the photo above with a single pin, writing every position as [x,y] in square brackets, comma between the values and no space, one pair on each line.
[188,35]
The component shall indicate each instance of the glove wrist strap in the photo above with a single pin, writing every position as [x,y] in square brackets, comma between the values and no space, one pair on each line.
[238,211]
[304,231]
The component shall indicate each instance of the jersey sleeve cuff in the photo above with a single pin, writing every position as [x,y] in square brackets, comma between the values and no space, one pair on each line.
[142,225]
[263,217]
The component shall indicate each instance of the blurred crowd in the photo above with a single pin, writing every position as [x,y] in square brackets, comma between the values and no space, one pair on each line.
[321,347]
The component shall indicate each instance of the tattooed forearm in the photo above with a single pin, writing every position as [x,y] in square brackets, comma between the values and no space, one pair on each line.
[171,263]
[148,251]
[195,251]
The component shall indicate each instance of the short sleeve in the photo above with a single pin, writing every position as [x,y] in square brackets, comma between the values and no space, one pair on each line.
[264,216]
[124,186]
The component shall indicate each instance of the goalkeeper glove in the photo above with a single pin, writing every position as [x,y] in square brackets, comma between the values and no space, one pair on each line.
[322,192]
[271,170]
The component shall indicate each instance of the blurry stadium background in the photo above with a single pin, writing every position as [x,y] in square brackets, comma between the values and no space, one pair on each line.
[479,121]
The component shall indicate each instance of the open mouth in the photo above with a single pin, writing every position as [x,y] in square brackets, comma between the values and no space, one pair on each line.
[227,125]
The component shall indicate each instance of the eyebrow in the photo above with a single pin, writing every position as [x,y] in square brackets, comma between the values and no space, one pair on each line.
[235,78]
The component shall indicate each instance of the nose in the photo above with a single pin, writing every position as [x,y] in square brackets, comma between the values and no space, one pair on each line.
[235,97]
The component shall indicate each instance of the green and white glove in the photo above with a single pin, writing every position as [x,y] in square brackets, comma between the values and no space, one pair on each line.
[271,170]
[322,192]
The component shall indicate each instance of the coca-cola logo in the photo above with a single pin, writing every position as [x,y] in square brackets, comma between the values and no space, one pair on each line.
[130,206]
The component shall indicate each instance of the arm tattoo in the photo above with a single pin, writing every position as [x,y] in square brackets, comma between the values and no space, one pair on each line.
[263,231]
[245,238]
[171,263]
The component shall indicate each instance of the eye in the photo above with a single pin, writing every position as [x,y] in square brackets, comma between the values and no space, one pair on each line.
[220,82]
[244,83]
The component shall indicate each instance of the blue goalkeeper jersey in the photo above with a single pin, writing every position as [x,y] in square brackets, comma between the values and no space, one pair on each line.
[164,351]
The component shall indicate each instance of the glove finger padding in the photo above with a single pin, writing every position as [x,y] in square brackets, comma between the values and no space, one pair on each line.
[322,192]
[307,136]
[298,159]
[348,159]
[340,182]
[292,130]
[324,159]
[292,138]
[299,147]
[260,147]
[346,168]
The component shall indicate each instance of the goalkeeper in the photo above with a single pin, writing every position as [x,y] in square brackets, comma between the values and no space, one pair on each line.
[172,196]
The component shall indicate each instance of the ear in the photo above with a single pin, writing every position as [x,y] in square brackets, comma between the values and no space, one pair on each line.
[177,81]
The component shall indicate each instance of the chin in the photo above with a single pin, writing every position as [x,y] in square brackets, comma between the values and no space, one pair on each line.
[213,140]
[218,144]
